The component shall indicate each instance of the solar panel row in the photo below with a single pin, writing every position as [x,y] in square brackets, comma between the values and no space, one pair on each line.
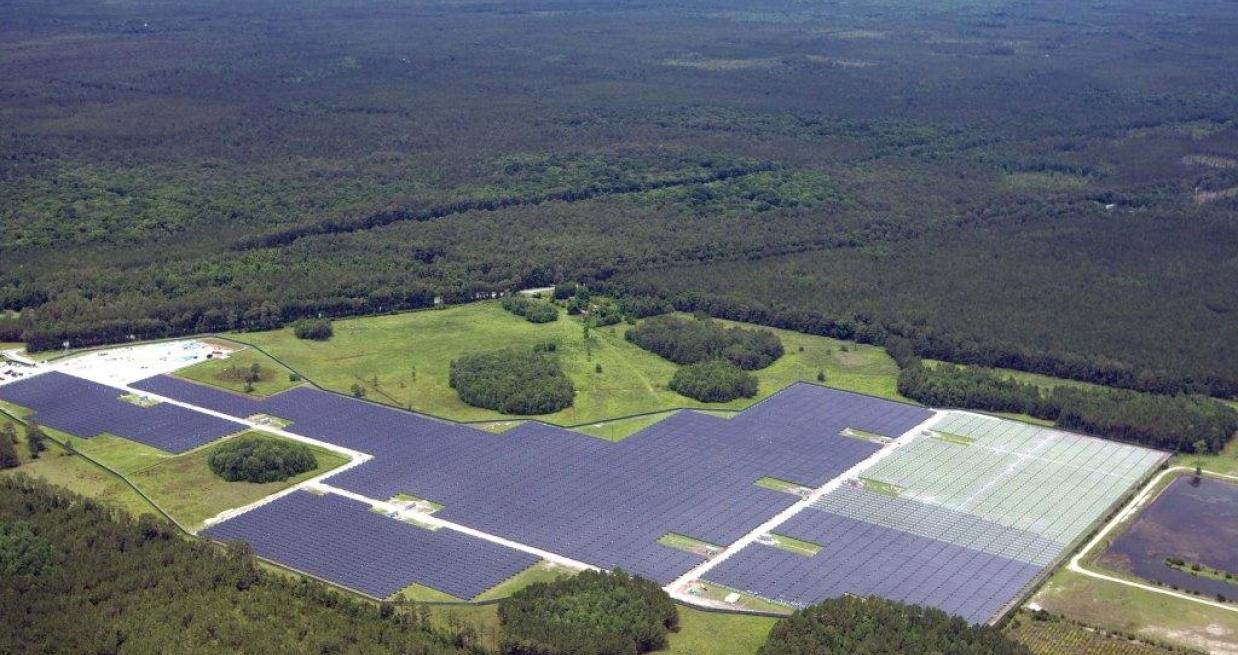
[863,559]
[86,409]
[342,541]
[595,501]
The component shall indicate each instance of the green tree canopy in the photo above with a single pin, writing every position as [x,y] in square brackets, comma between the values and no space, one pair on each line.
[256,458]
[512,381]
[592,613]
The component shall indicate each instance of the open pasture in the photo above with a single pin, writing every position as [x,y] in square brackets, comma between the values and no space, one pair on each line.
[403,360]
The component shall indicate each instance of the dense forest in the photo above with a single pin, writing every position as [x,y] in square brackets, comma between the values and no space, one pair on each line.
[81,578]
[1042,185]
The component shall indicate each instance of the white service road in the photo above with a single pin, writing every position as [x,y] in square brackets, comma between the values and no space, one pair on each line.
[1131,509]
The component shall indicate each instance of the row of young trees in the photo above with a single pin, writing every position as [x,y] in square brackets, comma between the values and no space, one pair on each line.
[1181,422]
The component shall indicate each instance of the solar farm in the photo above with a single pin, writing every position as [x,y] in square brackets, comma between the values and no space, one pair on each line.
[954,510]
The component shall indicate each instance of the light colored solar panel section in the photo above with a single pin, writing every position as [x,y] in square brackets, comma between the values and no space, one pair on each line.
[1047,482]
[934,522]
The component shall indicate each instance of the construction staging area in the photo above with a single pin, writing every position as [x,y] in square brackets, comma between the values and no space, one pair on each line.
[949,509]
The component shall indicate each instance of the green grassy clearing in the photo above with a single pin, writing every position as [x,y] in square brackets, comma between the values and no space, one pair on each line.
[623,428]
[1225,462]
[186,488]
[720,593]
[780,485]
[428,505]
[884,488]
[229,373]
[422,593]
[540,572]
[120,454]
[403,360]
[139,400]
[75,473]
[956,439]
[797,546]
[1151,615]
[865,435]
[1203,571]
[688,544]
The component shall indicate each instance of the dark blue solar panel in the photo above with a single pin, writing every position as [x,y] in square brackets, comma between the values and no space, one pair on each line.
[85,409]
[863,559]
[212,398]
[599,502]
[342,541]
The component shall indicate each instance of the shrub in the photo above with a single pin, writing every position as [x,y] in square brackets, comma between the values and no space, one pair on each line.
[565,290]
[869,626]
[261,459]
[512,382]
[690,341]
[591,613]
[316,329]
[542,312]
[715,381]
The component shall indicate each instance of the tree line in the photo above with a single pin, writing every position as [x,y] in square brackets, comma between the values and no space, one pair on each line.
[1183,423]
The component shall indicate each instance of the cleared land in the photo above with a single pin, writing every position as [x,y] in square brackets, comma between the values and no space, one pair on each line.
[403,360]
[1058,637]
[1143,613]
[230,373]
[187,489]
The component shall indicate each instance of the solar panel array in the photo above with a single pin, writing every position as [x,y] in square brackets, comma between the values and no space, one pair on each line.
[86,409]
[595,501]
[864,559]
[342,541]
[983,505]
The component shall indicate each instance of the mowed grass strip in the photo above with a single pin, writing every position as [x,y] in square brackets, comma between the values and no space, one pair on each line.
[403,360]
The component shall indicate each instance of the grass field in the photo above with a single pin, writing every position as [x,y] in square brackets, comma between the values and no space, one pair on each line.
[403,360]
[1149,615]
[1059,637]
[230,373]
[183,485]
[187,489]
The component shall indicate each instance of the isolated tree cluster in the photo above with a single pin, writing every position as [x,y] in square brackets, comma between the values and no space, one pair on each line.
[715,381]
[512,381]
[688,341]
[261,459]
[313,329]
[532,309]
[591,613]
